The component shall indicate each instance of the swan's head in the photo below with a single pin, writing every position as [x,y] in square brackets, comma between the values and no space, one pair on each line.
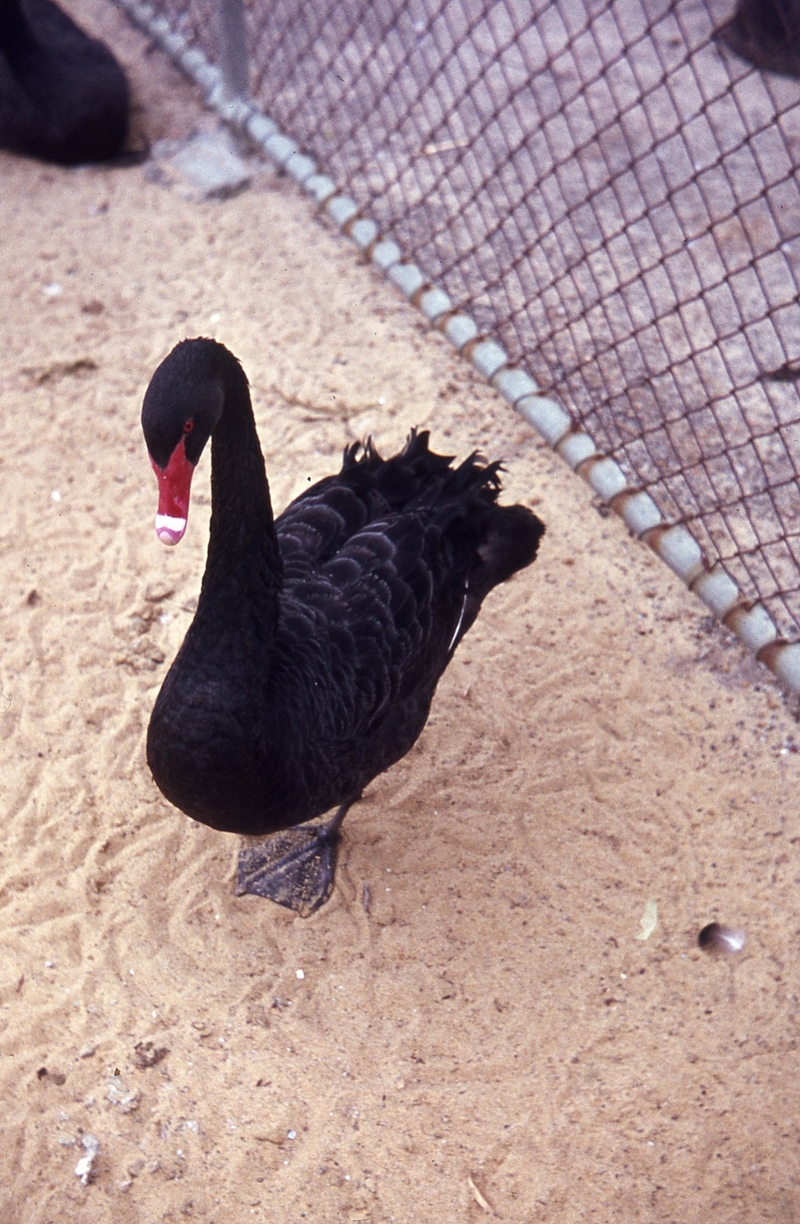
[182,406]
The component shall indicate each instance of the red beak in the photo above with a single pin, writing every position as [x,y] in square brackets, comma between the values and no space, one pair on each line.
[174,484]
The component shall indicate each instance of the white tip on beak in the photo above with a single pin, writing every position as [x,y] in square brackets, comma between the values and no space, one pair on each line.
[169,530]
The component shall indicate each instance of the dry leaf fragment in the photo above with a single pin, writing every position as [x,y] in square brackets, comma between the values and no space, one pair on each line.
[479,1199]
[648,921]
[145,1054]
[40,375]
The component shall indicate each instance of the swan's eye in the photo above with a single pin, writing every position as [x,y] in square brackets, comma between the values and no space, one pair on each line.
[188,426]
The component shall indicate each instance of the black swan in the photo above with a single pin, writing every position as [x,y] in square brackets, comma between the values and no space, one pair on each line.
[63,96]
[320,636]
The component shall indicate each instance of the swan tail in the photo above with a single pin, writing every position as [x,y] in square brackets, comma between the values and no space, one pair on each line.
[511,542]
[419,477]
[461,502]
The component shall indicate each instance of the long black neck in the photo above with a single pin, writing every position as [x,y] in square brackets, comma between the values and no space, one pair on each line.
[244,572]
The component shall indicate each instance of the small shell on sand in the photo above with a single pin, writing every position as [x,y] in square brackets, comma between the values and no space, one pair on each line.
[717,938]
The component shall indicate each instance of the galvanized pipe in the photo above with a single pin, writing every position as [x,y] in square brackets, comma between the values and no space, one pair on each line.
[233,48]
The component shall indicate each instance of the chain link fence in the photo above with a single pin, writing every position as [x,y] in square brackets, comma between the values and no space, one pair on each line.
[611,193]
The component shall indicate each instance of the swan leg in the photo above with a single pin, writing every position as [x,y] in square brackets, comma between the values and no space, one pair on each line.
[295,867]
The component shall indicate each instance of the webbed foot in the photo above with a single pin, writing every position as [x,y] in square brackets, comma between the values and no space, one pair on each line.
[295,868]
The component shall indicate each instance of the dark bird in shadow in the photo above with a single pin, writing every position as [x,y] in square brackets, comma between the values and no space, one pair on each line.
[63,96]
[319,636]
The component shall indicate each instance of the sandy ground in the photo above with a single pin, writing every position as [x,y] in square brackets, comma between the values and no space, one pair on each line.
[470,1029]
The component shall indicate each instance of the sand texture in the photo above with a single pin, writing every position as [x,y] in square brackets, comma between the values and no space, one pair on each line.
[470,1029]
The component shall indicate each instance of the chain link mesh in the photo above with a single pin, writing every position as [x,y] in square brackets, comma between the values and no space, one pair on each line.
[609,192]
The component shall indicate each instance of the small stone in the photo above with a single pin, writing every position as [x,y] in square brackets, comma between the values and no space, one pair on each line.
[85,1166]
[126,1098]
[211,164]
[155,592]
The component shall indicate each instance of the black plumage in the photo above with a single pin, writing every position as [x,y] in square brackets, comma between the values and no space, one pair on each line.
[63,96]
[319,638]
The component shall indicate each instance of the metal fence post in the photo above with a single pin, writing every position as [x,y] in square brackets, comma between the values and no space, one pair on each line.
[233,47]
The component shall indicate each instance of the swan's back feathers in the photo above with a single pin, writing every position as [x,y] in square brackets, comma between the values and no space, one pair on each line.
[388,562]
[416,481]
